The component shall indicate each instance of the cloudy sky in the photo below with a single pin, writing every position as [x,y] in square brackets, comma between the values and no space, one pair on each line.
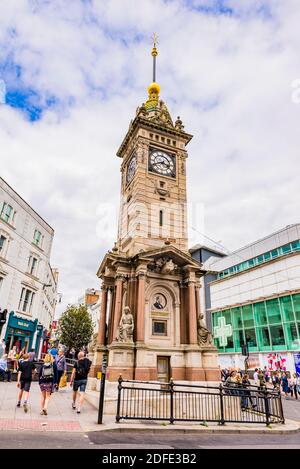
[75,73]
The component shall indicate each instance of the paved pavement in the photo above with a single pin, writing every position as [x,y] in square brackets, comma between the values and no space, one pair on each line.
[63,428]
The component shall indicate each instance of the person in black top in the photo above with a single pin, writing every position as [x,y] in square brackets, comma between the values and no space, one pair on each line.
[79,378]
[24,380]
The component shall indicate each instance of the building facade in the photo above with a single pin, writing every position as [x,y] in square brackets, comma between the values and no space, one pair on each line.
[150,282]
[28,284]
[92,300]
[255,298]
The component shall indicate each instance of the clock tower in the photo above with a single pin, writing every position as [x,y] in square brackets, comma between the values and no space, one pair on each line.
[151,322]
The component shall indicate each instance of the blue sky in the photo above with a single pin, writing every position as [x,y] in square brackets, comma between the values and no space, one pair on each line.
[75,77]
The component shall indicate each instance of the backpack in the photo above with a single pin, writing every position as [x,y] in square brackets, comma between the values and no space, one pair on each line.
[82,368]
[47,371]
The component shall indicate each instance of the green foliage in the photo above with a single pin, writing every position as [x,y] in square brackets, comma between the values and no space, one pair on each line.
[75,327]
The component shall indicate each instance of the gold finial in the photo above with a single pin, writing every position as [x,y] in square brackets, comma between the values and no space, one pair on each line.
[154,88]
[154,51]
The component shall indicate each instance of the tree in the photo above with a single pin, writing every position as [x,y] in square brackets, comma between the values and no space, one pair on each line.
[75,327]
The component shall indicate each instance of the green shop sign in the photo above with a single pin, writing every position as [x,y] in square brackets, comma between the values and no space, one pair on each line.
[222,331]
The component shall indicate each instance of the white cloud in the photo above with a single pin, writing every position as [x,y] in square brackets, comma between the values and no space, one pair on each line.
[228,77]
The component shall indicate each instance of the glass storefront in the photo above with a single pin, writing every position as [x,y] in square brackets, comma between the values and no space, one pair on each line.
[268,325]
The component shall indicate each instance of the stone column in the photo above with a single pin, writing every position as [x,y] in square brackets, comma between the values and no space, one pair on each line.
[102,322]
[183,314]
[140,315]
[192,313]
[118,304]
[198,306]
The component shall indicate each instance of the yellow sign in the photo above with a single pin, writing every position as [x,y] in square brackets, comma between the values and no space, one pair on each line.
[99,375]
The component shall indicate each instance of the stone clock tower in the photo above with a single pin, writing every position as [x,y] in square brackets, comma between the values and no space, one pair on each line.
[151,322]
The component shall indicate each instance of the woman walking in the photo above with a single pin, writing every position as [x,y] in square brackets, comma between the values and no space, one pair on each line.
[61,364]
[47,380]
[285,384]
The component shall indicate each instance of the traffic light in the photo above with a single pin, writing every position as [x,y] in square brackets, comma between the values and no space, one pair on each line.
[245,350]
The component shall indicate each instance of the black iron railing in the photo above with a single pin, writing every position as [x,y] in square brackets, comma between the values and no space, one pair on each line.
[179,402]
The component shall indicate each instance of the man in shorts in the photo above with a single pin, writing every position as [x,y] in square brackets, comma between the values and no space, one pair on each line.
[24,380]
[79,377]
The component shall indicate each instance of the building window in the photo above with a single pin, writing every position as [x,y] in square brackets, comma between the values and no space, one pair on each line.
[265,257]
[161,218]
[7,213]
[26,300]
[37,238]
[159,327]
[269,325]
[32,265]
[2,245]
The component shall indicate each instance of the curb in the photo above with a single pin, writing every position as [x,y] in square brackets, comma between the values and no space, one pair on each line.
[123,428]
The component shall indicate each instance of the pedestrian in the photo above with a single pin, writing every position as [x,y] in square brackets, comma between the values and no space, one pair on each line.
[79,378]
[12,357]
[31,355]
[276,380]
[285,384]
[47,380]
[4,369]
[261,379]
[61,364]
[255,377]
[25,370]
[246,393]
[266,374]
[2,348]
[297,383]
[53,351]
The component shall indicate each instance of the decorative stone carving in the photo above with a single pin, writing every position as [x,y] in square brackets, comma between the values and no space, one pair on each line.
[165,265]
[204,335]
[126,326]
[178,124]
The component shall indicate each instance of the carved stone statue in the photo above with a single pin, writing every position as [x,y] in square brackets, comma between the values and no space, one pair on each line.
[204,335]
[165,266]
[126,326]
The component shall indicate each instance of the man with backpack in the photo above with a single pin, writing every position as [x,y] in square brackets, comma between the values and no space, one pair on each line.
[79,378]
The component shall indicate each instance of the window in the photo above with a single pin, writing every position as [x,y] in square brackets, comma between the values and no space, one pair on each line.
[7,212]
[37,237]
[248,316]
[260,259]
[286,248]
[26,300]
[161,218]
[273,311]
[32,265]
[260,313]
[295,245]
[159,327]
[267,256]
[277,337]
[274,253]
[2,244]
[287,308]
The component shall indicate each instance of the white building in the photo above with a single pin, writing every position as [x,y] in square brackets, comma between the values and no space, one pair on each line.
[28,284]
[255,297]
[92,300]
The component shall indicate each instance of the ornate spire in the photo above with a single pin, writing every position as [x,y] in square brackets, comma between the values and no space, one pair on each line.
[154,88]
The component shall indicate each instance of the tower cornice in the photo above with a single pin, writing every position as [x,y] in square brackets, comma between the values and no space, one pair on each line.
[140,122]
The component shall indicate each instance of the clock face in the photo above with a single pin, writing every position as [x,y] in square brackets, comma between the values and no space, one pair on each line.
[131,169]
[162,163]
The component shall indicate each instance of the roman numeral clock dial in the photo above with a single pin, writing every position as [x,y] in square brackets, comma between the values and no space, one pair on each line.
[162,163]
